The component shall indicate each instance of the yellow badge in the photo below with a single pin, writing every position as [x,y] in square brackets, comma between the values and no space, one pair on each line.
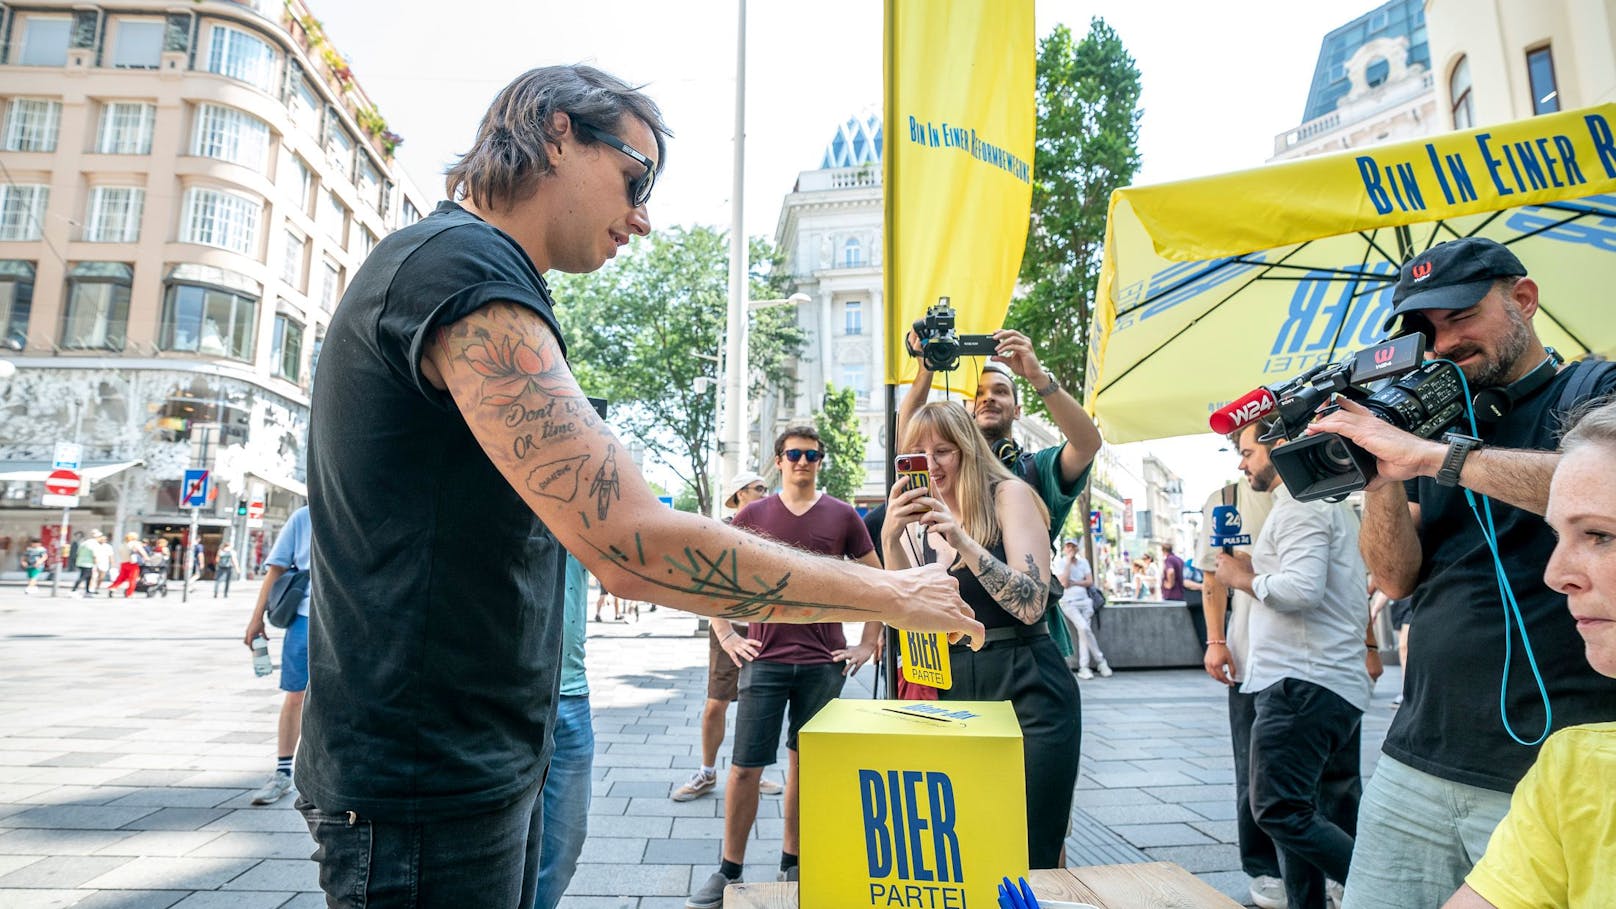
[925,659]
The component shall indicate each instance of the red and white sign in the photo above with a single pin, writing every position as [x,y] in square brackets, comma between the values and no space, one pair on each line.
[63,483]
[255,510]
[1127,515]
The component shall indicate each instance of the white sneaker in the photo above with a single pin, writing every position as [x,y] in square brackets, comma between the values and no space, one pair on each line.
[1104,670]
[767,786]
[273,791]
[1333,893]
[1268,892]
[1085,673]
[697,786]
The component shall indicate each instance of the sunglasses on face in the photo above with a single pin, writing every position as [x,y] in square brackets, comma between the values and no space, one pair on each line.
[795,454]
[758,488]
[639,189]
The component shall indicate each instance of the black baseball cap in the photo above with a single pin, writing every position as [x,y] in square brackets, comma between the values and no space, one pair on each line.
[1452,275]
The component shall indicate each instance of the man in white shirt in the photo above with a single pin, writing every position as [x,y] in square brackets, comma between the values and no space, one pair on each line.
[1307,672]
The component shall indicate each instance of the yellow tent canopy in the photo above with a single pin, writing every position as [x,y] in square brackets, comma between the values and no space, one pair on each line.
[1211,287]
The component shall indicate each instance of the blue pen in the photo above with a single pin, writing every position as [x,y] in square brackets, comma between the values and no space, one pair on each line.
[1009,897]
[1030,901]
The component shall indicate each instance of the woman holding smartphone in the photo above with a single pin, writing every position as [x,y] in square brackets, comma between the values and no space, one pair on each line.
[993,531]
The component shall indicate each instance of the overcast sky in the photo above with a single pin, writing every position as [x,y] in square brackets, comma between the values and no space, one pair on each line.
[1220,81]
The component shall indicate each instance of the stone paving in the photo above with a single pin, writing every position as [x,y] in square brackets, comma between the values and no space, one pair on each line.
[131,732]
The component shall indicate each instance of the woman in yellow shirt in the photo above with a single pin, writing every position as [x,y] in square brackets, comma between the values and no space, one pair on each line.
[1557,845]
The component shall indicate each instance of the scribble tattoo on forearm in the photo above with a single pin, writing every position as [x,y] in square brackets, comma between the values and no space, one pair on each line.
[606,488]
[1022,595]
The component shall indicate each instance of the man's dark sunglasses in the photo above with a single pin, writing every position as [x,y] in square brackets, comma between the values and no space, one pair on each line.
[812,454]
[639,189]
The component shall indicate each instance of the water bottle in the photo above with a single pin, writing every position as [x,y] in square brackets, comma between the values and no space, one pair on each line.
[260,650]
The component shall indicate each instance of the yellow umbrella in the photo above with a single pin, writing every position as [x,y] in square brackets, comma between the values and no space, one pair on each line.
[1214,286]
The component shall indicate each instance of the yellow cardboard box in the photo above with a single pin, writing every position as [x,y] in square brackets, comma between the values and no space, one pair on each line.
[911,805]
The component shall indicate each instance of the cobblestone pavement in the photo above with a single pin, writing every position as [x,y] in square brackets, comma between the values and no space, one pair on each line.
[131,732]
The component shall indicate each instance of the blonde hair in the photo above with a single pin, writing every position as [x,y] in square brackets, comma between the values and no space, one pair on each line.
[979,474]
[1591,424]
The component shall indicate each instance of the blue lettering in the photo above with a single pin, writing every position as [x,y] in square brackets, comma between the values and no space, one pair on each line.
[1604,142]
[1461,178]
[1304,309]
[1599,233]
[915,824]
[1548,160]
[1337,313]
[945,842]
[1568,157]
[899,844]
[1411,186]
[877,844]
[916,132]
[1436,168]
[1369,171]
[1514,168]
[1493,164]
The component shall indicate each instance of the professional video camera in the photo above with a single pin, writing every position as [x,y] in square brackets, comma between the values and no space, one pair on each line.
[940,347]
[1423,398]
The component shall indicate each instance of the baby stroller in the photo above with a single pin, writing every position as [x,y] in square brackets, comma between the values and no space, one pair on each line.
[153,577]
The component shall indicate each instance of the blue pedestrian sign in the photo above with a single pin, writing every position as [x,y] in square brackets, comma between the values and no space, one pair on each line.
[194,489]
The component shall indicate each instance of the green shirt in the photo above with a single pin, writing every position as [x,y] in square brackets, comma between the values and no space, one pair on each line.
[575,604]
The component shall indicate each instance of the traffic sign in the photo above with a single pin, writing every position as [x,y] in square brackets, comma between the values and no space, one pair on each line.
[66,456]
[63,482]
[255,510]
[194,489]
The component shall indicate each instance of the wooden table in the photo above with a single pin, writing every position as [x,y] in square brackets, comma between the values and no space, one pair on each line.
[1151,885]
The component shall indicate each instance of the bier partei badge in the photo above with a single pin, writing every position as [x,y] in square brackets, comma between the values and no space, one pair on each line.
[916,805]
[1226,527]
[925,659]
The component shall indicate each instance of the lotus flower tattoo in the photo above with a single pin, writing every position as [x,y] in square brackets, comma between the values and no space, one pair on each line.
[509,370]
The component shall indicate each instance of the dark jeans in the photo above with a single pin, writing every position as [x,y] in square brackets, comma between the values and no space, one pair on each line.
[1258,857]
[1305,784]
[769,691]
[85,573]
[222,576]
[489,859]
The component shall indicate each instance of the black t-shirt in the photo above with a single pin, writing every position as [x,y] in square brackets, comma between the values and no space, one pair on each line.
[1449,725]
[435,640]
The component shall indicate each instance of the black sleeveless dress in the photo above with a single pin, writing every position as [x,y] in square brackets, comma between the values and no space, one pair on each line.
[1027,670]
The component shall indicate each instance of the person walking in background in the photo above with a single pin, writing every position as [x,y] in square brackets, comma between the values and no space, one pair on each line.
[567,791]
[103,562]
[84,560]
[291,553]
[1077,603]
[33,562]
[1172,575]
[130,559]
[224,568]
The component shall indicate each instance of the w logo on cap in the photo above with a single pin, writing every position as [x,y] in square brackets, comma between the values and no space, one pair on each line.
[1420,271]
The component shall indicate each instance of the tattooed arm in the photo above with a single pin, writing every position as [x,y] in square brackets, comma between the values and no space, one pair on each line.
[1022,591]
[506,373]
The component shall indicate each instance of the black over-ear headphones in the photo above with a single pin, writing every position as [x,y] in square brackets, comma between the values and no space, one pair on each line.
[1008,452]
[1492,404]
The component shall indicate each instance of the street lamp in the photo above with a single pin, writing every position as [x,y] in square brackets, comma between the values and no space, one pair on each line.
[732,450]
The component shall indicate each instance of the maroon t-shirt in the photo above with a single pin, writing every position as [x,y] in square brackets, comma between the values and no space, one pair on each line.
[830,527]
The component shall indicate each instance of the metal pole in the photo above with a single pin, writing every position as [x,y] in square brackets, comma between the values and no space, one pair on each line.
[735,379]
[889,660]
[186,559]
[56,576]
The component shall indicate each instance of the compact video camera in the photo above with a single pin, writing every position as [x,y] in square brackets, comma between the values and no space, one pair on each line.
[940,346]
[1419,397]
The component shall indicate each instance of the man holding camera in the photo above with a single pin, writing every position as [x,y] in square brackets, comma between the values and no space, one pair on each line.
[1450,760]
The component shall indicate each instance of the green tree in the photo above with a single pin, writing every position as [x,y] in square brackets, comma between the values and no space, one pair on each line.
[843,472]
[641,333]
[1088,134]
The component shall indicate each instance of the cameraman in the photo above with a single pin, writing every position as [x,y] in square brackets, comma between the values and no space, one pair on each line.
[1055,472]
[1449,765]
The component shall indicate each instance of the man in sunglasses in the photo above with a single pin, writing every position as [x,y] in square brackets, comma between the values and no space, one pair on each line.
[446,410]
[795,669]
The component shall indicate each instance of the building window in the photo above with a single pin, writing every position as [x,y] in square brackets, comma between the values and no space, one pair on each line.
[208,320]
[16,302]
[302,183]
[292,261]
[286,349]
[369,183]
[853,318]
[339,146]
[411,214]
[230,135]
[44,41]
[331,286]
[139,44]
[22,211]
[305,107]
[1464,114]
[367,242]
[242,56]
[852,253]
[1540,73]
[855,376]
[126,128]
[314,353]
[31,125]
[217,218]
[333,217]
[114,214]
[97,315]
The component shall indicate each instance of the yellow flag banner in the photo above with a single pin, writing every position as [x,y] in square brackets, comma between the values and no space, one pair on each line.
[1211,287]
[959,128]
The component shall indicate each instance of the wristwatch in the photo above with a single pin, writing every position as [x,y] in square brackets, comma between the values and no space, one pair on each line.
[1049,389]
[1459,448]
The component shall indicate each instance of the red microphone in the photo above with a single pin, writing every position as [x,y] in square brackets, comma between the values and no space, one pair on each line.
[1243,411]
